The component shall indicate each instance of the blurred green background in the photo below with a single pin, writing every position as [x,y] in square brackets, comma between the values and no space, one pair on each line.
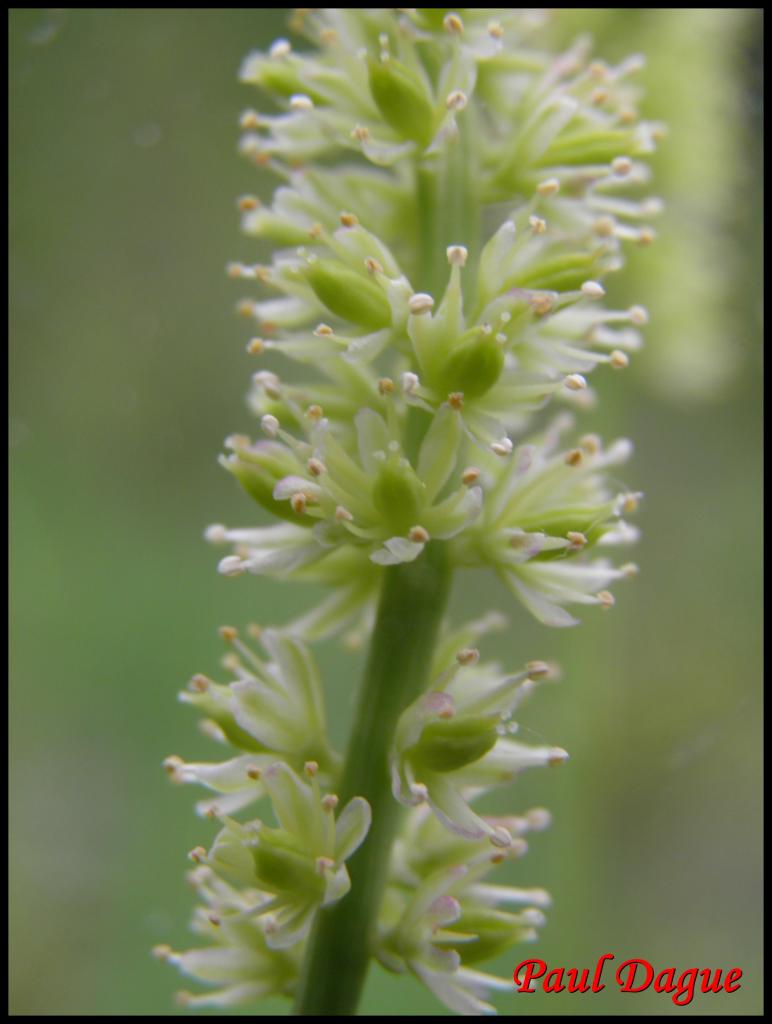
[127,369]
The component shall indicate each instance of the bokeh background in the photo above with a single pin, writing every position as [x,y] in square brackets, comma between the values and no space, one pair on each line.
[127,369]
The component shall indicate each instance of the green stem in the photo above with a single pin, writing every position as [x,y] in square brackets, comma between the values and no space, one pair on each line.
[411,607]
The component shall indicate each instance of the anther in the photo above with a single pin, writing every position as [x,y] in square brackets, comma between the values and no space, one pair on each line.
[606,599]
[323,331]
[298,502]
[453,24]
[301,102]
[470,476]
[172,765]
[279,49]
[231,565]
[162,952]
[456,400]
[256,346]
[598,70]
[324,864]
[214,920]
[619,360]
[228,633]
[372,266]
[538,225]
[247,203]
[418,535]
[501,836]
[410,382]
[646,237]
[420,303]
[360,133]
[197,854]
[468,656]
[576,539]
[593,290]
[590,443]
[457,255]
[385,386]
[575,382]
[630,569]
[315,231]
[269,425]
[342,514]
[630,504]
[537,669]
[314,412]
[548,188]
[311,768]
[542,303]
[574,457]
[557,756]
[503,447]
[495,31]
[638,315]
[330,802]
[216,534]
[598,97]
[253,772]
[316,467]
[622,165]
[604,226]
[199,683]
[249,119]
[456,100]
[349,220]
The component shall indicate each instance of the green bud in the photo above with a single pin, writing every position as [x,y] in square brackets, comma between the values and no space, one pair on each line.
[495,932]
[258,469]
[217,710]
[474,364]
[349,295]
[398,495]
[403,100]
[278,77]
[586,519]
[566,272]
[455,742]
[589,147]
[280,868]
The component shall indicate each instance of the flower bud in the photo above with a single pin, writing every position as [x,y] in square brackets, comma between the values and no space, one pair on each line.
[473,365]
[349,295]
[398,495]
[258,468]
[403,100]
[448,744]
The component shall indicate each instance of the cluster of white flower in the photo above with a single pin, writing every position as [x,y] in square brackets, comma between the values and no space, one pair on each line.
[451,198]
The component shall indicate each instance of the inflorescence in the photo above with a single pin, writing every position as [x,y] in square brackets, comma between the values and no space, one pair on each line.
[452,196]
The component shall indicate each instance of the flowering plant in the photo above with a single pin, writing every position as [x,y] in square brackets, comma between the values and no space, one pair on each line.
[451,196]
